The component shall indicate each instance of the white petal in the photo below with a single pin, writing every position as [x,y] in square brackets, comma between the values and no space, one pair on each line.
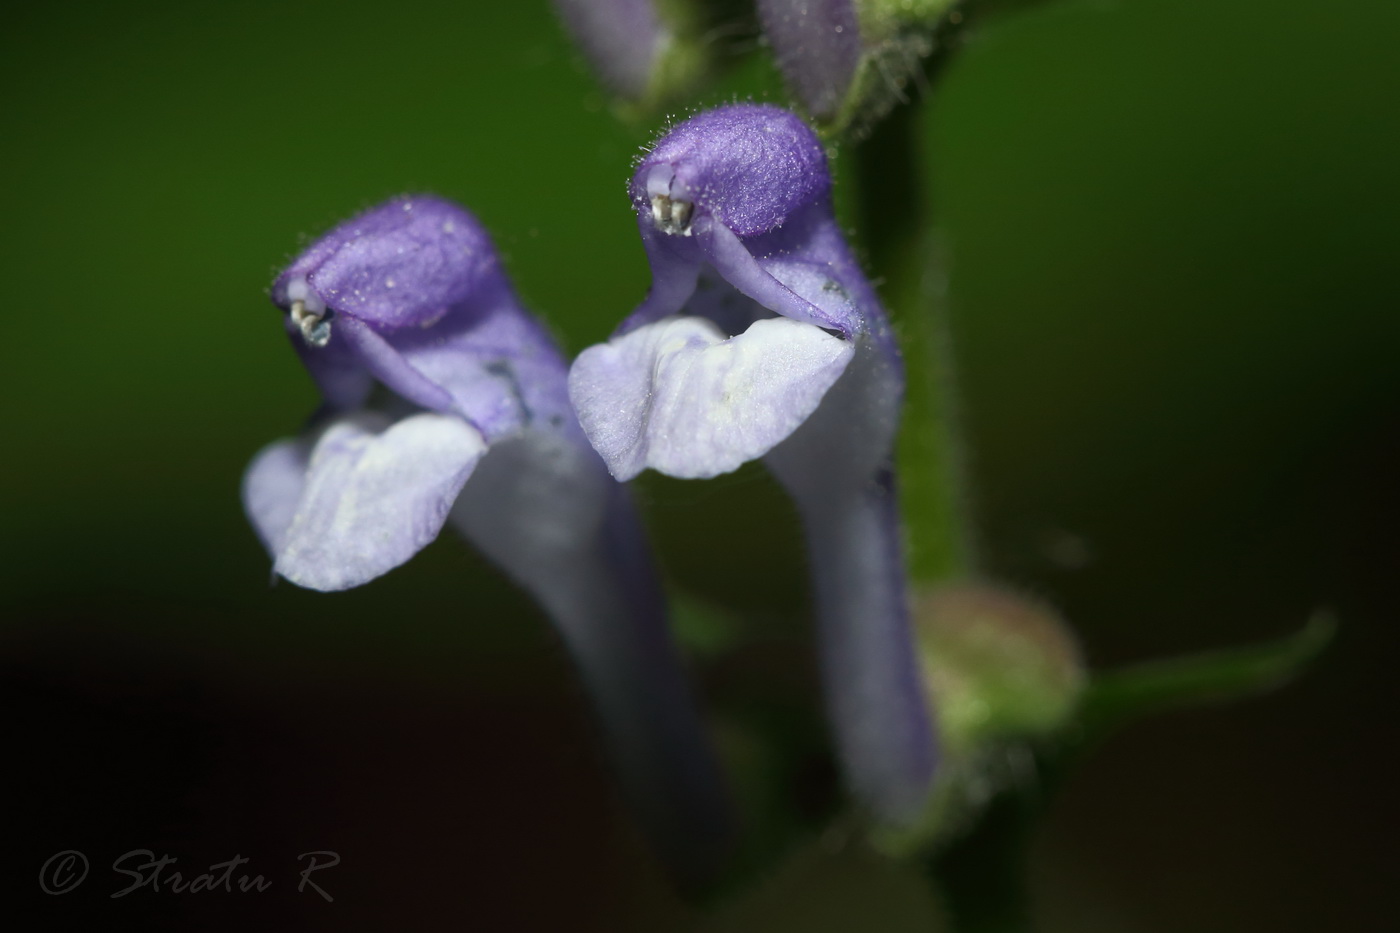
[533,505]
[272,488]
[373,497]
[679,397]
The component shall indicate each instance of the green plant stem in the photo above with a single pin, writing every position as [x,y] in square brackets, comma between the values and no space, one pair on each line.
[980,878]
[895,219]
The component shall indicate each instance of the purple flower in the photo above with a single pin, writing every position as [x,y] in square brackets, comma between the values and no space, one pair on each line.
[761,337]
[409,295]
[471,423]
[751,315]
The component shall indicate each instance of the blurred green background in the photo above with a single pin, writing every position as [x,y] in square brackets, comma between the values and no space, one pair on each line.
[1171,240]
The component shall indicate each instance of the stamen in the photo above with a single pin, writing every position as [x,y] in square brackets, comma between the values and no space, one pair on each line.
[671,215]
[315,328]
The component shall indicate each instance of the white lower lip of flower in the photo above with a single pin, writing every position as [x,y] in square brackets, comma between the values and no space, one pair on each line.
[680,397]
[369,495]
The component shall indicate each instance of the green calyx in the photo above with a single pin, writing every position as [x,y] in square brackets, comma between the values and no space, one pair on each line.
[896,37]
[998,665]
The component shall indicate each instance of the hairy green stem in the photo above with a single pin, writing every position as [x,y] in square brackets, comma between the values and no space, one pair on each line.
[901,245]
[980,877]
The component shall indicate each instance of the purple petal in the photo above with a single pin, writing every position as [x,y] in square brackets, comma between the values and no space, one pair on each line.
[799,283]
[403,263]
[497,368]
[546,511]
[498,365]
[817,46]
[799,273]
[744,191]
[749,166]
[337,370]
[875,696]
[410,295]
[373,496]
[387,365]
[837,467]
[679,397]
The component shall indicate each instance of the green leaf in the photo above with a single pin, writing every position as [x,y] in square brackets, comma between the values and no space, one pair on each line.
[1118,697]
[1018,774]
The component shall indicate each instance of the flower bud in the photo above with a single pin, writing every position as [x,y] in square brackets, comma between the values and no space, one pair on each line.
[818,45]
[849,61]
[998,665]
[643,51]
[1001,671]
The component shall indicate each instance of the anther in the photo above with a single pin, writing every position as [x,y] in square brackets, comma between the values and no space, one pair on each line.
[671,215]
[315,328]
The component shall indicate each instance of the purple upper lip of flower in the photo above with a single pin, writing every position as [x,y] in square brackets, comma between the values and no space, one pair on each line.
[403,263]
[744,191]
[411,293]
[750,167]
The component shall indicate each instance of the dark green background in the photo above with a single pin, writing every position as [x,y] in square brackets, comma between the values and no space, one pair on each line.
[1172,252]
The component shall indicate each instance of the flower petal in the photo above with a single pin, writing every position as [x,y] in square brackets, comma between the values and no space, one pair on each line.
[272,488]
[803,271]
[790,283]
[679,397]
[374,497]
[403,263]
[497,363]
[750,166]
[337,371]
[387,365]
[547,512]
